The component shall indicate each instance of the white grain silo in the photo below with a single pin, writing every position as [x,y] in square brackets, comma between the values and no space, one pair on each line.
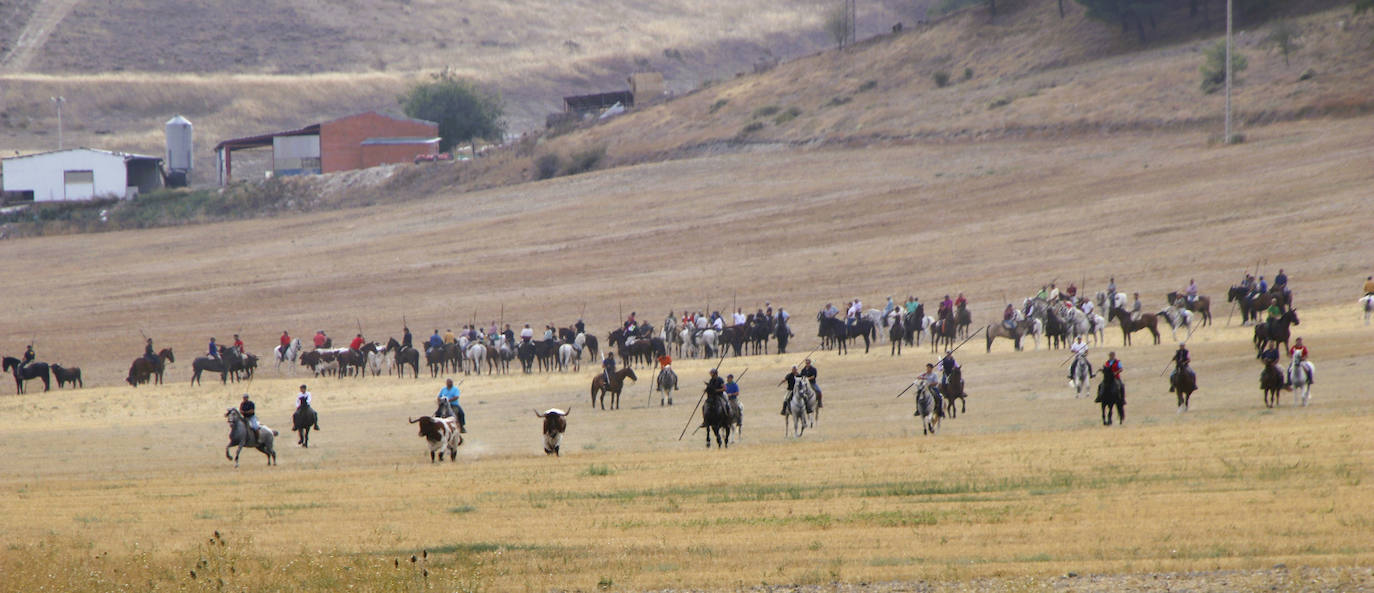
[178,152]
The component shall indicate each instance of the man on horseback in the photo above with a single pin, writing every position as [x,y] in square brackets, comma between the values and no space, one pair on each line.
[732,394]
[1009,317]
[1299,352]
[1079,348]
[214,350]
[715,386]
[608,367]
[809,372]
[1181,360]
[450,338]
[449,394]
[1112,368]
[237,345]
[1071,291]
[791,380]
[320,339]
[1111,293]
[1191,292]
[28,356]
[303,398]
[357,344]
[435,342]
[1369,286]
[249,412]
[285,344]
[406,338]
[665,363]
[1135,308]
[1270,355]
[946,308]
[148,352]
[947,367]
[1281,281]
[932,382]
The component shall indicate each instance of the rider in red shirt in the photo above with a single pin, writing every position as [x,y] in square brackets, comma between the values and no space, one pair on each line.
[357,343]
[319,339]
[238,344]
[285,340]
[1298,348]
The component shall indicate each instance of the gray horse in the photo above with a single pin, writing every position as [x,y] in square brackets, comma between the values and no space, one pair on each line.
[302,421]
[667,382]
[238,436]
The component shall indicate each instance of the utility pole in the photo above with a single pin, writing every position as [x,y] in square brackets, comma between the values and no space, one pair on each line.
[59,101]
[1227,140]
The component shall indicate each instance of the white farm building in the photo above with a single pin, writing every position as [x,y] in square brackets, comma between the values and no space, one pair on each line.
[79,174]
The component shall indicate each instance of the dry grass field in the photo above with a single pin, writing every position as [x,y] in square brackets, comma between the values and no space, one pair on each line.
[111,488]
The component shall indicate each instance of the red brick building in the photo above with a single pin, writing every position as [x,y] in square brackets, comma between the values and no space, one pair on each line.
[352,142]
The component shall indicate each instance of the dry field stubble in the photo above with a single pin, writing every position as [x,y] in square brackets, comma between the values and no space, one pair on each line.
[117,486]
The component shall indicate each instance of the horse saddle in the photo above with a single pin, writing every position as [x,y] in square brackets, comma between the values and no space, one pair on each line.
[1009,324]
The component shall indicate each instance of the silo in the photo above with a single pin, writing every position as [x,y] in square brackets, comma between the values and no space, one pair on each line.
[178,152]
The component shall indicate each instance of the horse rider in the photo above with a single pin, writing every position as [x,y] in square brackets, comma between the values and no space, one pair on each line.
[148,352]
[946,308]
[492,330]
[739,318]
[435,342]
[831,310]
[732,396]
[1113,368]
[1135,308]
[449,394]
[1111,292]
[1181,360]
[791,380]
[406,339]
[213,349]
[1044,293]
[809,372]
[579,327]
[715,386]
[526,334]
[319,339]
[1191,292]
[1369,286]
[237,346]
[549,333]
[249,412]
[665,364]
[911,303]
[718,324]
[1270,355]
[961,302]
[1009,317]
[509,334]
[304,398]
[932,382]
[28,356]
[887,309]
[1072,290]
[947,366]
[1079,348]
[783,315]
[1087,307]
[357,344]
[608,367]
[1299,351]
[1274,312]
[1054,293]
[285,343]
[449,338]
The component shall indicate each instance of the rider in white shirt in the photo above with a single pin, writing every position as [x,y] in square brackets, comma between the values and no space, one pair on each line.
[1087,307]
[739,317]
[718,324]
[303,397]
[1080,349]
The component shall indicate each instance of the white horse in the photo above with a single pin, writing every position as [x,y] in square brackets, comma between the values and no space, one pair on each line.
[1300,374]
[294,350]
[926,323]
[926,409]
[476,355]
[801,398]
[568,357]
[1367,304]
[1099,328]
[1076,322]
[875,316]
[708,342]
[1177,317]
[1081,372]
[581,343]
[376,362]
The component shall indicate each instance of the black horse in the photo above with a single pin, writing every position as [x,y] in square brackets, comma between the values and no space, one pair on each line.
[953,389]
[896,332]
[942,333]
[1276,330]
[833,333]
[1183,383]
[965,319]
[717,416]
[1111,393]
[405,356]
[302,421]
[22,372]
[214,365]
[1272,384]
[782,333]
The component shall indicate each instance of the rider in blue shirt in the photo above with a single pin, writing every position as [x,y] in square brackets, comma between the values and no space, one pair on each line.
[436,342]
[450,394]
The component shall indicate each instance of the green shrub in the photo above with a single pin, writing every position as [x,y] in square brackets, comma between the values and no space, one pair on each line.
[1002,102]
[868,85]
[941,78]
[751,128]
[1213,67]
[968,73]
[766,111]
[585,160]
[717,105]
[837,101]
[788,115]
[546,166]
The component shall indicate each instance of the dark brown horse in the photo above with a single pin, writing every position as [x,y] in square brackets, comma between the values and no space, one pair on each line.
[1128,327]
[1271,383]
[33,370]
[1276,331]
[143,369]
[1183,383]
[66,375]
[1111,393]
[599,387]
[954,390]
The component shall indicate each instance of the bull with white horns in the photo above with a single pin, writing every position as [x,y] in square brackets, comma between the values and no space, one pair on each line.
[555,422]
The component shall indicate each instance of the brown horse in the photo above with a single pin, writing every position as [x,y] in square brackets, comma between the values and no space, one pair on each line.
[599,387]
[1183,384]
[1271,383]
[142,368]
[1128,327]
[1201,306]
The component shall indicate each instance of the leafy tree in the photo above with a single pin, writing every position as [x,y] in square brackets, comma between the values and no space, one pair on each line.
[1129,13]
[1363,5]
[463,110]
[1285,38]
[1214,67]
[837,24]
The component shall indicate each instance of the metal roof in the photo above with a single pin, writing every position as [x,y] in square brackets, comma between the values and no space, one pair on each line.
[266,139]
[127,156]
[598,100]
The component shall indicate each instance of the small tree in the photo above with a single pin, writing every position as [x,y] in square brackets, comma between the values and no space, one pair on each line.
[1214,67]
[463,110]
[1284,37]
[837,24]
[1363,5]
